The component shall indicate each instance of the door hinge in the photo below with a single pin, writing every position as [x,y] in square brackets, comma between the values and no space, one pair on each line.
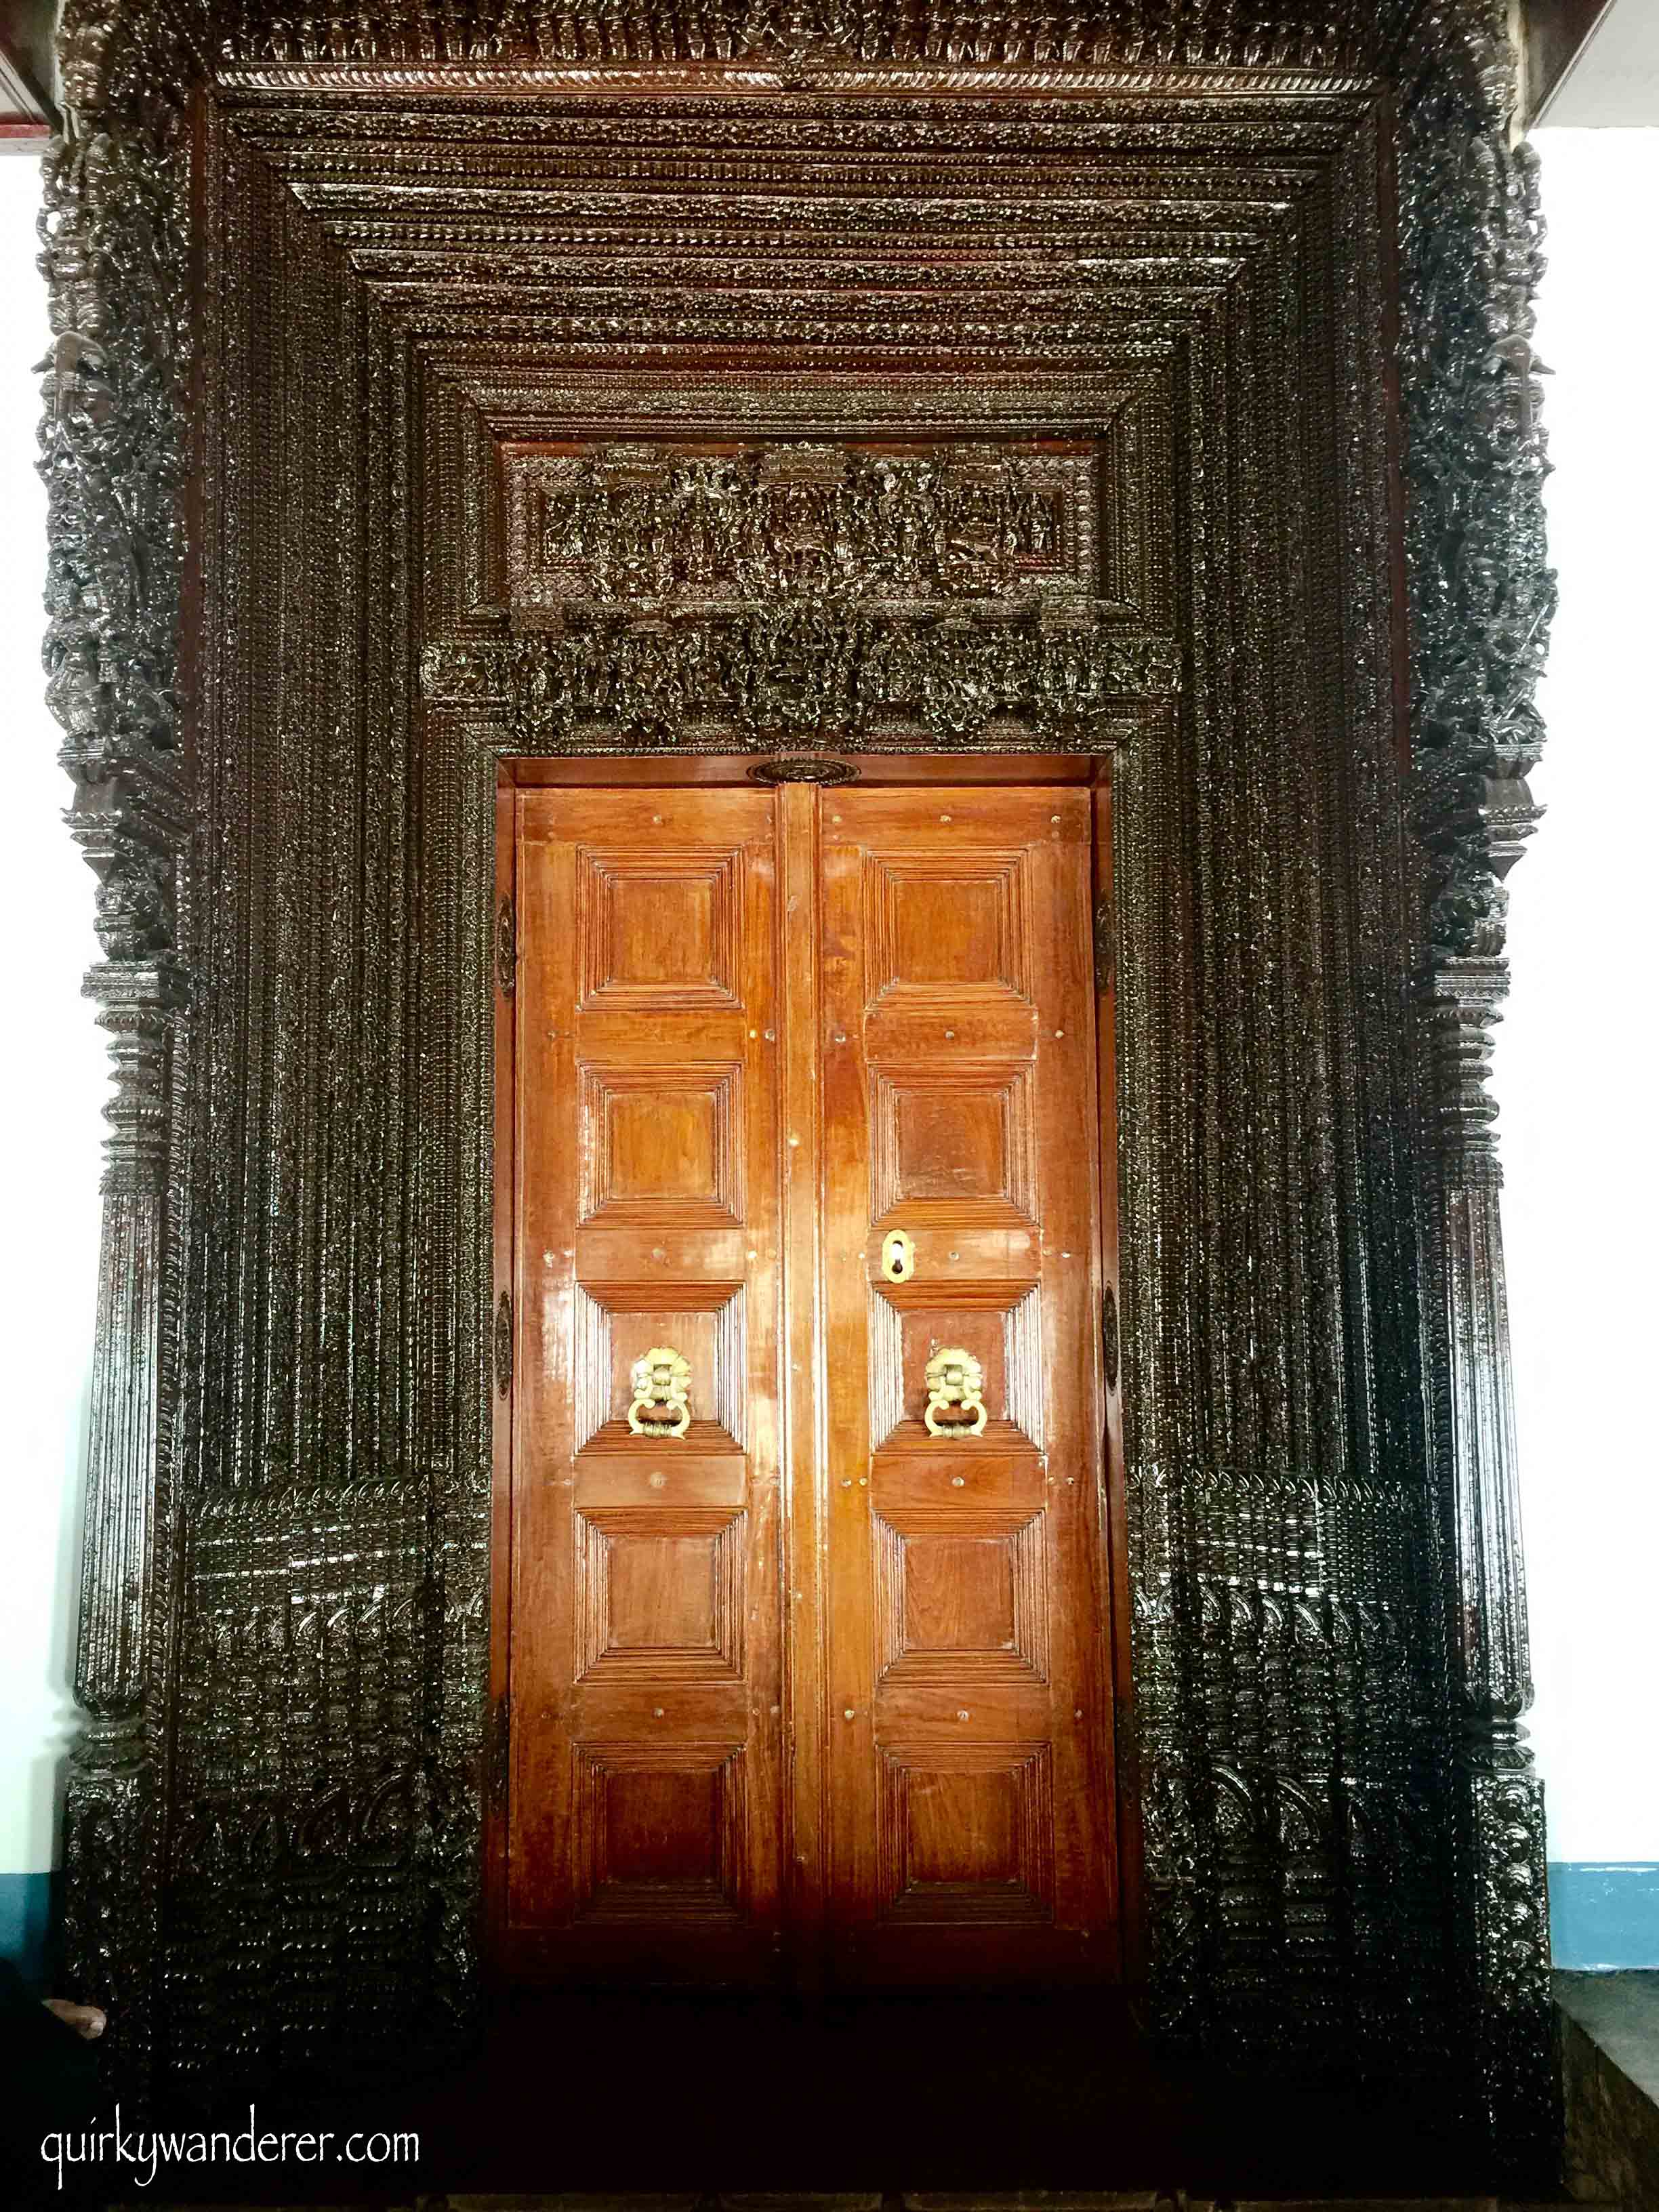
[1108,1343]
[499,1748]
[507,946]
[504,1343]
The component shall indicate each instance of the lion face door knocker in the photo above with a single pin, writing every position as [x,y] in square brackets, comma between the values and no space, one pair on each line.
[662,1393]
[955,1408]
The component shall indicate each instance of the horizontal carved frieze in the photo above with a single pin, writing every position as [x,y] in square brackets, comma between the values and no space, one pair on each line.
[1175,35]
[805,672]
[738,527]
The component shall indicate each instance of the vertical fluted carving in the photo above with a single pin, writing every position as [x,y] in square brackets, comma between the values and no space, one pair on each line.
[112,1832]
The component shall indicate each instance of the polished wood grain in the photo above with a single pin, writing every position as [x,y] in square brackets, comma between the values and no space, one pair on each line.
[646,1822]
[807,1405]
[1125,1794]
[969,1698]
[808,1694]
[505,1227]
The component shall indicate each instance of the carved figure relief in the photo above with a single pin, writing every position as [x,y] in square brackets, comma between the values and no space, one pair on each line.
[1046,678]
[661,527]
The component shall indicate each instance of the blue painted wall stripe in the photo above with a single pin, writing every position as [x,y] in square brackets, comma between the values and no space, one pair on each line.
[1604,1915]
[26,1919]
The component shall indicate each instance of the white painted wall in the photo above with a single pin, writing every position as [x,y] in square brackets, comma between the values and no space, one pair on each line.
[1582,1205]
[1576,1067]
[51,1093]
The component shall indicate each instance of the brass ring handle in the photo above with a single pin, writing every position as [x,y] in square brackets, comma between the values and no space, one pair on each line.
[955,1407]
[661,1380]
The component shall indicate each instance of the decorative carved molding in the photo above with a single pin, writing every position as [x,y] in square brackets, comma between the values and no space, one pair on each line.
[792,37]
[790,674]
[1481,598]
[289,1362]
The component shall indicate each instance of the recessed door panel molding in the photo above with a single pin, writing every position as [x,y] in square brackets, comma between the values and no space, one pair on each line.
[951,925]
[657,930]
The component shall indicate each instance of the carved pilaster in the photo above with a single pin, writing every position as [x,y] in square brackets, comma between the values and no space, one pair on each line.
[111,449]
[1501,1825]
[1482,597]
[1494,1674]
[111,1840]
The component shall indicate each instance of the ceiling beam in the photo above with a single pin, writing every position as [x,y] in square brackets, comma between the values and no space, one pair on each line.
[26,116]
[1555,33]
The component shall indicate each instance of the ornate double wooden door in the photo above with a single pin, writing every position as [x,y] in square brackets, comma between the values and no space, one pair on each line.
[806,1519]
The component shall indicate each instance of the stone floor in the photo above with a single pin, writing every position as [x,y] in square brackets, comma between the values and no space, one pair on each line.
[944,2094]
[1609,2037]
[619,2103]
[1033,2200]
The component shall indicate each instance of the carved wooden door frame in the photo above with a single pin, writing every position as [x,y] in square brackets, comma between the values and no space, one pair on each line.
[1321,795]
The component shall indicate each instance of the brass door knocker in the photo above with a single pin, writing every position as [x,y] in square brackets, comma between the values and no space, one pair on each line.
[662,1393]
[955,1408]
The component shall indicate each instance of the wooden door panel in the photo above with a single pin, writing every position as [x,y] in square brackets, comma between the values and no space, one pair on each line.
[755,1043]
[645,1811]
[968,1713]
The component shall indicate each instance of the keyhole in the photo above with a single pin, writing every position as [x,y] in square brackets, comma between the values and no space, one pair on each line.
[898,1256]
